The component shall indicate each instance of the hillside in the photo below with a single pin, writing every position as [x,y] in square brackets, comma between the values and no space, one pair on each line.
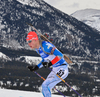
[69,34]
[90,17]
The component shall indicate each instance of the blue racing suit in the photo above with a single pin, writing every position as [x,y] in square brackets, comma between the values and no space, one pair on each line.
[57,61]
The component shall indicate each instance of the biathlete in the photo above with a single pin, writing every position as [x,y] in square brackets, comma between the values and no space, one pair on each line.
[51,56]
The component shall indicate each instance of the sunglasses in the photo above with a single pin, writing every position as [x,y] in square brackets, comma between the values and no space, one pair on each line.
[29,41]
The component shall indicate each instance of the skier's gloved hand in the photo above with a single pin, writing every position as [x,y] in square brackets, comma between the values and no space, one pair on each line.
[46,64]
[33,68]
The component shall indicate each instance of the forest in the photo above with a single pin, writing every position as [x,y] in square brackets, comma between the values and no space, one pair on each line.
[15,75]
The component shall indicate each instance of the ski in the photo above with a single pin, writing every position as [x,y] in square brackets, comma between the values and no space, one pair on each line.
[46,39]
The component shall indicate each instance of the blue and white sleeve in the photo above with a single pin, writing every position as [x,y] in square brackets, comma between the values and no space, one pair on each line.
[48,47]
[57,53]
[40,64]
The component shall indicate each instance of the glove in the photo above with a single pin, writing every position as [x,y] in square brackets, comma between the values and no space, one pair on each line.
[46,64]
[31,68]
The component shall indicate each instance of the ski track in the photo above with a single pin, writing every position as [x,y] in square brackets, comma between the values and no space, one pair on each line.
[18,93]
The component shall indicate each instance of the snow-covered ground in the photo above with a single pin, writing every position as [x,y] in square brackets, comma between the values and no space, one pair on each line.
[30,59]
[4,56]
[18,93]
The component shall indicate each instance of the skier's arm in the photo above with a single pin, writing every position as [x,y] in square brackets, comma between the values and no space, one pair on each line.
[36,67]
[40,65]
[57,53]
[50,48]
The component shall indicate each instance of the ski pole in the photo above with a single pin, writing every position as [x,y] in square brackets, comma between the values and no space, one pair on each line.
[44,80]
[66,83]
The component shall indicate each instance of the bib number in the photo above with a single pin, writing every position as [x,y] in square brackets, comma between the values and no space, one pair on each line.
[60,72]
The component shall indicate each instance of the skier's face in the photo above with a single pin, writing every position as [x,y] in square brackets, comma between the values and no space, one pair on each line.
[33,43]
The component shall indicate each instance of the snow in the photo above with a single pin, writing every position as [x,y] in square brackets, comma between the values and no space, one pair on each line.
[4,56]
[29,2]
[30,59]
[90,17]
[18,93]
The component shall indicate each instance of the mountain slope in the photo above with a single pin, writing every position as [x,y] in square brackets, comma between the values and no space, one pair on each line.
[90,17]
[73,36]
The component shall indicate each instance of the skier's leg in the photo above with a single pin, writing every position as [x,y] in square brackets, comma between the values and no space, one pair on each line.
[52,80]
[45,89]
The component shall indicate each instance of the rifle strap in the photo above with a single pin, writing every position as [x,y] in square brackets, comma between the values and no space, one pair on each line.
[43,49]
